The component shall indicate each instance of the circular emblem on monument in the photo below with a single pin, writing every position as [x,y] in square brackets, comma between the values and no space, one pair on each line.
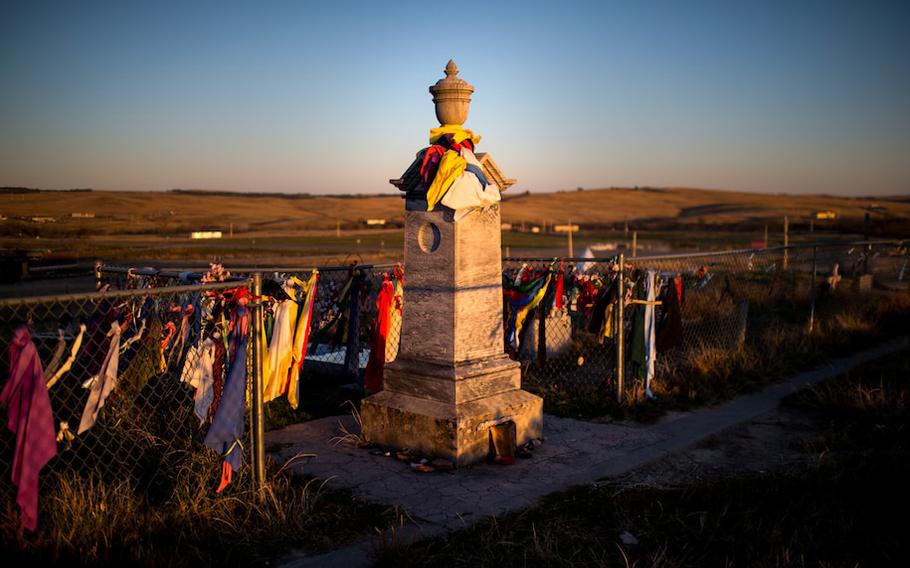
[428,237]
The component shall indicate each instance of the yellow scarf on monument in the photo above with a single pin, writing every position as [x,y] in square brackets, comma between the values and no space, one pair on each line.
[460,134]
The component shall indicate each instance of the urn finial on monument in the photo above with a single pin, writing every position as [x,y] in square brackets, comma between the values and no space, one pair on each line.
[452,97]
[451,382]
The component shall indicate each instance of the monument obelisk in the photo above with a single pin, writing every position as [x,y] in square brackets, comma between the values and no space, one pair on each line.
[452,381]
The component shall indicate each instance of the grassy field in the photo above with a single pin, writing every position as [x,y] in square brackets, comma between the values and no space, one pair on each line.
[155,226]
[171,213]
[844,510]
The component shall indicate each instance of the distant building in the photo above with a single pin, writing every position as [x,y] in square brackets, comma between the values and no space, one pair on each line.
[565,228]
[44,219]
[205,235]
[375,221]
[506,226]
[82,215]
[824,215]
[535,229]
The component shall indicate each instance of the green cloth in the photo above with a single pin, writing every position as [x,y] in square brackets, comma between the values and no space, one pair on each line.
[147,361]
[637,363]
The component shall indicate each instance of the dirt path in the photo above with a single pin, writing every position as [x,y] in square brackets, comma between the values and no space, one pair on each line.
[780,440]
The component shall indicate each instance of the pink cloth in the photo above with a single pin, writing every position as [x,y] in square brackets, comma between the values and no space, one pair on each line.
[30,418]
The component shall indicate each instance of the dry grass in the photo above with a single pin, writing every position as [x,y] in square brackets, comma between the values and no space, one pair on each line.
[90,522]
[778,345]
[845,511]
[120,212]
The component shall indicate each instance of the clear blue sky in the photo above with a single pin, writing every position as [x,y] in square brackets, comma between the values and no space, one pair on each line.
[331,97]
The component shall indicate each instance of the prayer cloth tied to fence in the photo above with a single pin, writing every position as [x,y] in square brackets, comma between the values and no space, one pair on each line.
[29,417]
[226,433]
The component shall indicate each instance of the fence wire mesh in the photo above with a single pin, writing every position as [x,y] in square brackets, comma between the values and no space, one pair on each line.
[562,346]
[722,298]
[344,309]
[119,369]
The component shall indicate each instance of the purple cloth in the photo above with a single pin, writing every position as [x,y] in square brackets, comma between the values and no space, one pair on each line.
[30,418]
[226,432]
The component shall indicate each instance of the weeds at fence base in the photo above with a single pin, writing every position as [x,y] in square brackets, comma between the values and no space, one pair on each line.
[706,374]
[84,520]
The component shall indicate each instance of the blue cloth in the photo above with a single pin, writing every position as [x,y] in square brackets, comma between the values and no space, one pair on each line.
[479,173]
[226,433]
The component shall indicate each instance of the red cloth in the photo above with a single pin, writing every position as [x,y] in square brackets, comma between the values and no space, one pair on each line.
[430,163]
[372,379]
[310,302]
[30,418]
[560,277]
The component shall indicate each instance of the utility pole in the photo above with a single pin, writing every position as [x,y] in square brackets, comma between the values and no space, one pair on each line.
[786,242]
[337,229]
[231,230]
[571,248]
[766,235]
[634,244]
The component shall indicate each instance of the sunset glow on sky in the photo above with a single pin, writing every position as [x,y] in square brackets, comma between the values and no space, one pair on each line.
[331,97]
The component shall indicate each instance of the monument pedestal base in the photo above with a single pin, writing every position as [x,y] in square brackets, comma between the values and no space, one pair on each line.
[447,411]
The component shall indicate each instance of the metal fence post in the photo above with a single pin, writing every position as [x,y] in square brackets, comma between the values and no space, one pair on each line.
[352,349]
[619,331]
[258,427]
[814,290]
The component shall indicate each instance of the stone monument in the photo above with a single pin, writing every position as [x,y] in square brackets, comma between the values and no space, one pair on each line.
[451,382]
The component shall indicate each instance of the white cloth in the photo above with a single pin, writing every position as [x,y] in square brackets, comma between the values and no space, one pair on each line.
[467,193]
[104,382]
[57,359]
[583,267]
[650,349]
[67,365]
[198,372]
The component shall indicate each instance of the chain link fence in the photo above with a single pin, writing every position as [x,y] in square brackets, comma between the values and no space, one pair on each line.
[574,336]
[119,368]
[586,348]
[344,309]
[564,347]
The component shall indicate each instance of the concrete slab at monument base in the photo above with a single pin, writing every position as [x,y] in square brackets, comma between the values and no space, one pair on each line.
[457,431]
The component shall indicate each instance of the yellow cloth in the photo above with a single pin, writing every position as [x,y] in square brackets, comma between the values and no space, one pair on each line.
[450,167]
[394,337]
[523,312]
[277,360]
[609,324]
[461,134]
[301,333]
